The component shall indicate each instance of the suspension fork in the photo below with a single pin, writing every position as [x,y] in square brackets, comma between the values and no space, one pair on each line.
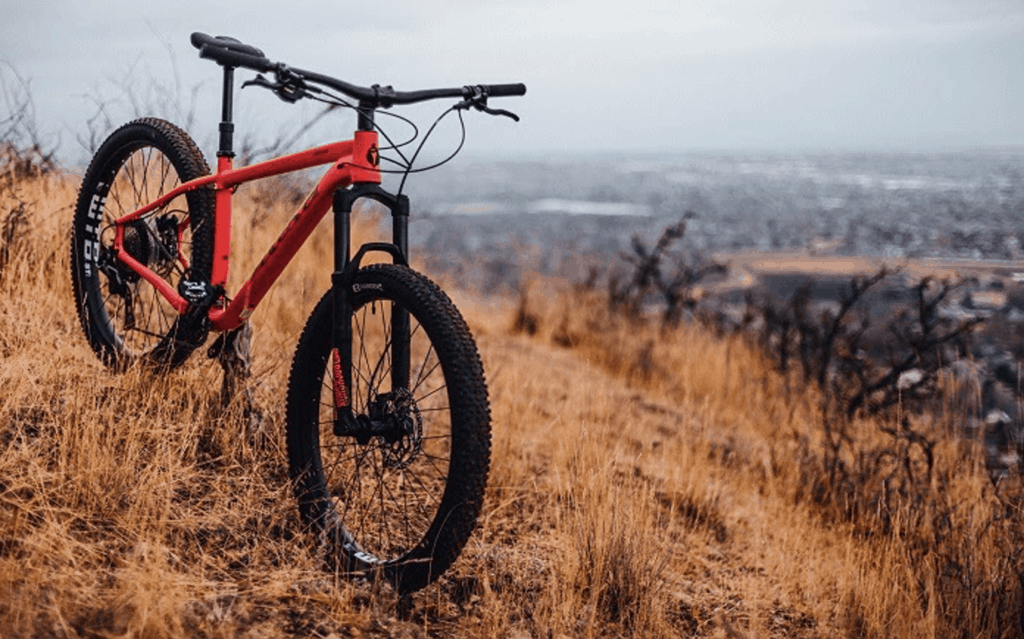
[345,267]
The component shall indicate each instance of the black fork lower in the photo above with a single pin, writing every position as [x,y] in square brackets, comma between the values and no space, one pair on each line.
[345,267]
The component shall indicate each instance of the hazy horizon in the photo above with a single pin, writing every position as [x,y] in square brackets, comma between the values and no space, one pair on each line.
[664,77]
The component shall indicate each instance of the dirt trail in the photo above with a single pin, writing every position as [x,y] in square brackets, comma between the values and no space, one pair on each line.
[746,263]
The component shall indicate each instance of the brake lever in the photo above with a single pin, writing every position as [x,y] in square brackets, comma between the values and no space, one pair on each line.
[260,81]
[503,112]
[479,102]
[287,91]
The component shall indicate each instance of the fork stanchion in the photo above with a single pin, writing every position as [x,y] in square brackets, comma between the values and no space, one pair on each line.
[341,325]
[400,338]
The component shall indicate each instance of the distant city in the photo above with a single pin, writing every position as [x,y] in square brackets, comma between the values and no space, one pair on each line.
[966,204]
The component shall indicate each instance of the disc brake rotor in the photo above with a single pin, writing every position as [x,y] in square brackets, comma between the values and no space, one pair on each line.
[402,440]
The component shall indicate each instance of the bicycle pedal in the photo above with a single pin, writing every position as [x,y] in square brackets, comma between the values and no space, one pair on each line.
[198,293]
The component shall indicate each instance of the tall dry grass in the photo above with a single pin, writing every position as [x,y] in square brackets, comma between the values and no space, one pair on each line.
[137,504]
[644,483]
[897,530]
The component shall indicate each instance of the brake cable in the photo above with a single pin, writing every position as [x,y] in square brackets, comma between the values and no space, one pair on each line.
[291,87]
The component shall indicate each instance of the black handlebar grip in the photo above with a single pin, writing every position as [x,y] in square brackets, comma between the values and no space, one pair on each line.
[500,90]
[230,58]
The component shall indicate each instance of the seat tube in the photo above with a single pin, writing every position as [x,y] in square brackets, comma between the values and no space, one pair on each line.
[225,162]
[222,226]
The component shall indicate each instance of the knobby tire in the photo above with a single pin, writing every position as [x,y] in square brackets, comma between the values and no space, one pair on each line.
[399,506]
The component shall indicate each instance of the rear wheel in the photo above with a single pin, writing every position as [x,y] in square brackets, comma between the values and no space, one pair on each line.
[124,317]
[401,496]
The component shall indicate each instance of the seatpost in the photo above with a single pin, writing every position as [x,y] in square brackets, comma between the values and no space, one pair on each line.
[227,128]
[225,162]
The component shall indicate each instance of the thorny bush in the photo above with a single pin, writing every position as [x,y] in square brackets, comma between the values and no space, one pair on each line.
[18,166]
[884,461]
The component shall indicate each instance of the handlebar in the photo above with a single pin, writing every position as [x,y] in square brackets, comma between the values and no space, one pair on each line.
[229,52]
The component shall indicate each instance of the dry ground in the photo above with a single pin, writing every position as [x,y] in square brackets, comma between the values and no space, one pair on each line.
[747,264]
[642,484]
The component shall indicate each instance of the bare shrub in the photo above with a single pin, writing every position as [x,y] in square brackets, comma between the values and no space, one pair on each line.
[525,320]
[875,457]
[22,153]
[19,167]
[13,229]
[886,464]
[663,273]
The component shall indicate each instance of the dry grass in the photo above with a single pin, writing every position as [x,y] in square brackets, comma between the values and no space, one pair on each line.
[905,536]
[643,484]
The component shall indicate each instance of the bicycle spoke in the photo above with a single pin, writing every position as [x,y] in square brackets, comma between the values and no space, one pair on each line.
[146,157]
[142,331]
[345,494]
[115,195]
[358,457]
[342,446]
[387,352]
[148,304]
[419,375]
[433,392]
[385,486]
[405,517]
[428,492]
[163,173]
[377,376]
[382,530]
[131,170]
[363,357]
[430,459]
[363,510]
[420,380]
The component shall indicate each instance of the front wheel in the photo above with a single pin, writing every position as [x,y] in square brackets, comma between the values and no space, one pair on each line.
[401,496]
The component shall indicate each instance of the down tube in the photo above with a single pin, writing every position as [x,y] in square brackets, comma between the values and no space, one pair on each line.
[277,258]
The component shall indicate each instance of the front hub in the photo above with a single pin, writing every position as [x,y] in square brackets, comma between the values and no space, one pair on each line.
[392,421]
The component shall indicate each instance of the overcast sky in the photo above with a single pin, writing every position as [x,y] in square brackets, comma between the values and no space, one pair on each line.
[640,75]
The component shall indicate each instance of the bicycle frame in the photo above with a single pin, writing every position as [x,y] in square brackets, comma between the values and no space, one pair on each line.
[354,162]
[386,419]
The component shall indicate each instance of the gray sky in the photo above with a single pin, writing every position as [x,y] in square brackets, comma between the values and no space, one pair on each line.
[639,75]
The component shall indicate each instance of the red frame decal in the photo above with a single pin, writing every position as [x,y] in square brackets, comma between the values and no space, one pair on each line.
[338,382]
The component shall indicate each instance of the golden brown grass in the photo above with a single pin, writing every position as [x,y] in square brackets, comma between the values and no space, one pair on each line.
[643,484]
[907,536]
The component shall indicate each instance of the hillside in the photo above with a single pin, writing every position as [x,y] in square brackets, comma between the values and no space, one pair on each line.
[644,483]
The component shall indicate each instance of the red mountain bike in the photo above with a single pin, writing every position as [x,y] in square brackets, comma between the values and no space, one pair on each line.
[388,424]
